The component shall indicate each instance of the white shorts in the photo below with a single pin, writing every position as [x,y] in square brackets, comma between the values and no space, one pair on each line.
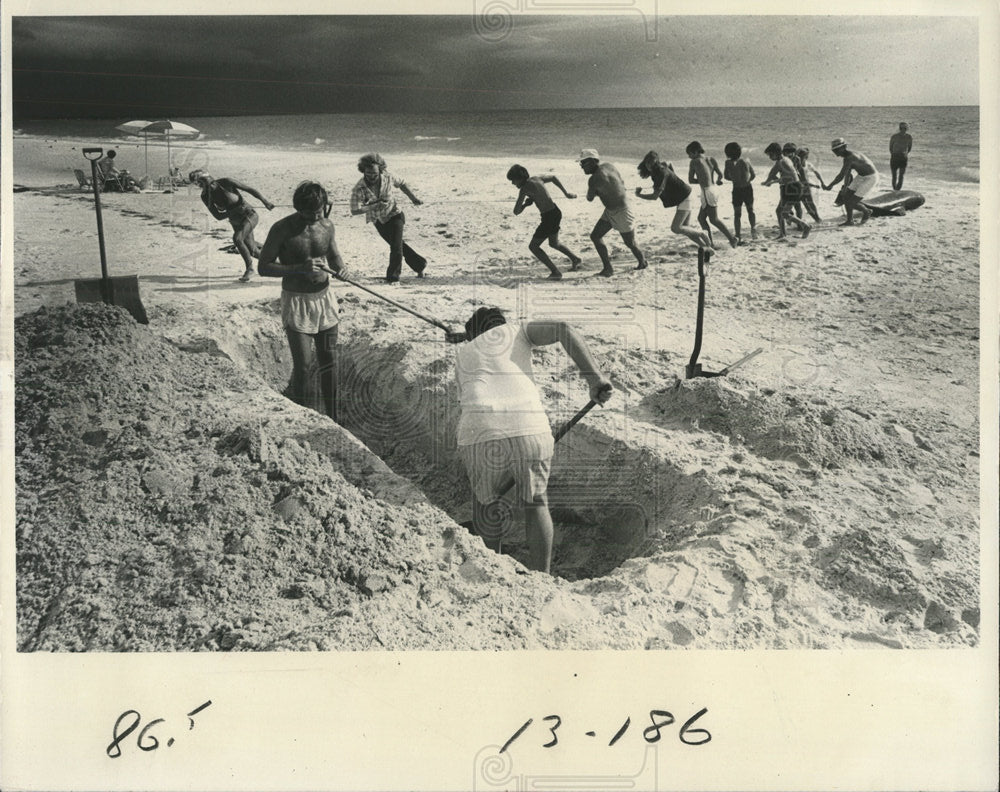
[862,185]
[309,313]
[709,196]
[622,219]
[685,205]
[491,464]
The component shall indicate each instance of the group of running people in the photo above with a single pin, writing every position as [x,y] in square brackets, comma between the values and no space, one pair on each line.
[792,171]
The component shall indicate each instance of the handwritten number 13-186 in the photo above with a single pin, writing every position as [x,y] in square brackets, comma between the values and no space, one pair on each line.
[659,719]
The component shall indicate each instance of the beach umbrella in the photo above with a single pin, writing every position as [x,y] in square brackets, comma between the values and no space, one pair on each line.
[163,128]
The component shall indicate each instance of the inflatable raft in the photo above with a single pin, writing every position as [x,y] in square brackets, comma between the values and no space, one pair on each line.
[896,202]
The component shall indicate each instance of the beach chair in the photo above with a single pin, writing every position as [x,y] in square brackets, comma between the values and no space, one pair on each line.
[113,182]
[82,180]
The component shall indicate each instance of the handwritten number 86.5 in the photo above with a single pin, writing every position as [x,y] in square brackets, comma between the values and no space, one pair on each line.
[145,741]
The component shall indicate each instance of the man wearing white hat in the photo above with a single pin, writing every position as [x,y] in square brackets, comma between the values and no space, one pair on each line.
[606,183]
[864,182]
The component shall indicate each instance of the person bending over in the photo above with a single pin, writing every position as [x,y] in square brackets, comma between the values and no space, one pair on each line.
[672,191]
[531,190]
[223,197]
[606,183]
[503,432]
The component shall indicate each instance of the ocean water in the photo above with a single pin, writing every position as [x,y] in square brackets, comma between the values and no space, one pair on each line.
[945,139]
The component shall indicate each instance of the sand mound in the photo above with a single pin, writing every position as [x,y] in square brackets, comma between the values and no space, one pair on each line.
[779,426]
[169,498]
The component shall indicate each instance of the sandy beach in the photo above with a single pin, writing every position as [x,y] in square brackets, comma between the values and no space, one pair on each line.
[825,494]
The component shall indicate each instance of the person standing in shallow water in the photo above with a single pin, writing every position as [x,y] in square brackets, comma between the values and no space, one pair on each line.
[301,249]
[374,196]
[503,433]
[900,146]
[222,197]
[606,183]
[531,190]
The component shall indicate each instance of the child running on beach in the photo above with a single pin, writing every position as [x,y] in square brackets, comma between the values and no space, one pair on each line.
[531,190]
[740,172]
[784,172]
[701,172]
[672,191]
[791,151]
[806,169]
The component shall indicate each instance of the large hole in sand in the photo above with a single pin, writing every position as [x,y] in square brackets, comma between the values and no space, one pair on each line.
[610,500]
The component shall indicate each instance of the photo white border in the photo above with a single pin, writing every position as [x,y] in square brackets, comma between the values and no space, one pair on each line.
[420,720]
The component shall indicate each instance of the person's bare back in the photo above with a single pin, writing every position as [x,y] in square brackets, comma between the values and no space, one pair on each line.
[859,163]
[606,183]
[535,189]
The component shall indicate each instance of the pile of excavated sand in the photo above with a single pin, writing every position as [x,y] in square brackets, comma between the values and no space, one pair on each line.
[169,498]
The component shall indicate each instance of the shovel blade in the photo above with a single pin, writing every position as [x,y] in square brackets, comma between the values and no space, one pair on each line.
[122,290]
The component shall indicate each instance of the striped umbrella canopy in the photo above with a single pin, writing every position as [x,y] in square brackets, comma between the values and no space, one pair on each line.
[163,128]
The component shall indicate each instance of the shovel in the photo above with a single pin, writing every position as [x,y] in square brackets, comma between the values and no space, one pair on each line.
[122,290]
[451,336]
[693,368]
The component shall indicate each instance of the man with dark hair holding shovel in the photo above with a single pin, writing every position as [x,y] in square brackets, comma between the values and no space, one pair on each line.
[301,249]
[503,432]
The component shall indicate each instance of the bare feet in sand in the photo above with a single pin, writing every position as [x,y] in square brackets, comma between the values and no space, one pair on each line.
[575,264]
[554,276]
[607,272]
[805,231]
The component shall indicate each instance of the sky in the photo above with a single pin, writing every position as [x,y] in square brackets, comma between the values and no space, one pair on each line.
[139,66]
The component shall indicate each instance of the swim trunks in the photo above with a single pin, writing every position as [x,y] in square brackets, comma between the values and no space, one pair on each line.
[862,185]
[743,196]
[309,313]
[898,160]
[549,224]
[240,213]
[526,459]
[622,219]
[790,192]
[685,205]
[709,196]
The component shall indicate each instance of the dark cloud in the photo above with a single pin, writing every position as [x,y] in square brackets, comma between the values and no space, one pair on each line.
[134,66]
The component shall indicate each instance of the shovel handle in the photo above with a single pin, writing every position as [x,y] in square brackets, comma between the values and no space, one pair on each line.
[556,437]
[100,222]
[434,322]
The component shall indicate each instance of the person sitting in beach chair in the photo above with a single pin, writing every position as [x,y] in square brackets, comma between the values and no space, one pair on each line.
[111,179]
